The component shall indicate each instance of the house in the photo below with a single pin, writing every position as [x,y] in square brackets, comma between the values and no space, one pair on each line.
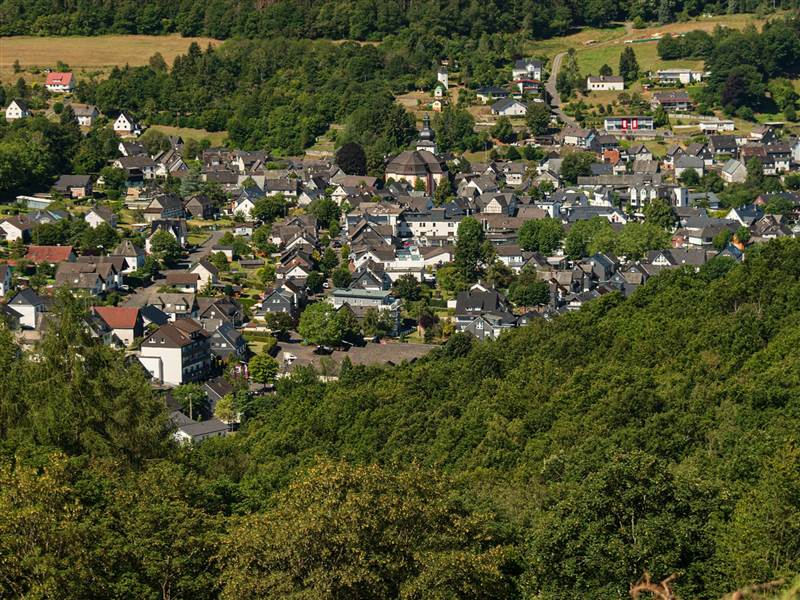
[359,301]
[99,215]
[720,145]
[137,167]
[124,321]
[638,152]
[74,186]
[164,206]
[674,101]
[734,171]
[489,326]
[131,149]
[17,227]
[778,159]
[125,125]
[85,114]
[5,279]
[59,83]
[577,136]
[487,94]
[685,163]
[527,68]
[443,77]
[675,76]
[94,278]
[213,312]
[183,281]
[177,353]
[278,300]
[200,206]
[176,306]
[29,306]
[206,272]
[246,202]
[716,126]
[605,83]
[746,215]
[133,255]
[285,186]
[51,255]
[483,312]
[227,341]
[152,315]
[479,299]
[509,107]
[175,227]
[190,432]
[628,123]
[170,163]
[17,109]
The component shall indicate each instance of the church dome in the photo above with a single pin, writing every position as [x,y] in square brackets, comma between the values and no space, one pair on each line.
[426,134]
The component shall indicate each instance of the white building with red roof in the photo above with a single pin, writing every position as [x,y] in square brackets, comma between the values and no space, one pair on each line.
[124,321]
[59,83]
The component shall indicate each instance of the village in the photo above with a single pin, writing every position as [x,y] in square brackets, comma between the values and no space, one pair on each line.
[199,269]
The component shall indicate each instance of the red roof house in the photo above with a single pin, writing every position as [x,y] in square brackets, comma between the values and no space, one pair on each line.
[50,254]
[125,321]
[59,82]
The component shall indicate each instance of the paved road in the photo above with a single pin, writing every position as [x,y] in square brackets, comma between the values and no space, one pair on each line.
[555,98]
[204,249]
[142,295]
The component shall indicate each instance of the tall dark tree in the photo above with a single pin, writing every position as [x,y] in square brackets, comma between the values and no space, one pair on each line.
[628,64]
[352,159]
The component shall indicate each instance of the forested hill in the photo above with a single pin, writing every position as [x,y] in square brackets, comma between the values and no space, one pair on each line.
[657,433]
[333,19]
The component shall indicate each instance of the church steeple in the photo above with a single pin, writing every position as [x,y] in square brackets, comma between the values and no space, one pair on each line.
[427,136]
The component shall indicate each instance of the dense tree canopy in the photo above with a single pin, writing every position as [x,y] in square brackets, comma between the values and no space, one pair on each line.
[655,433]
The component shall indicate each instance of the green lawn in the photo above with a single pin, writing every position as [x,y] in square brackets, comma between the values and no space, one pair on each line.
[198,238]
[591,59]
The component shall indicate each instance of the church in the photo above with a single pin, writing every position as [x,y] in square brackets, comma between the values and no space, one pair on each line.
[421,164]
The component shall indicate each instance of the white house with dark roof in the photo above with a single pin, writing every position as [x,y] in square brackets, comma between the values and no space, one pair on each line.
[17,109]
[177,353]
[85,114]
[126,125]
[30,307]
[605,83]
[99,215]
[528,68]
[509,107]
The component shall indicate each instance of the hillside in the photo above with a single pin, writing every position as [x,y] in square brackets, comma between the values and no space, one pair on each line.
[653,434]
[363,20]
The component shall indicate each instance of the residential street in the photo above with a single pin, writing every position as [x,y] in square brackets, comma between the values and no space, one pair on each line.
[140,297]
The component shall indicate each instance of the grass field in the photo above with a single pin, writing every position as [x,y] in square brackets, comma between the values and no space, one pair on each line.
[217,138]
[591,59]
[598,46]
[89,54]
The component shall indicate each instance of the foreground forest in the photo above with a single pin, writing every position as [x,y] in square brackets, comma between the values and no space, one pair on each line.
[657,433]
